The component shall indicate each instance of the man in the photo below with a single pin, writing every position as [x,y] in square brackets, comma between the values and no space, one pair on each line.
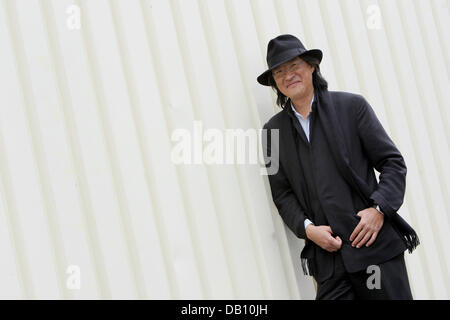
[325,188]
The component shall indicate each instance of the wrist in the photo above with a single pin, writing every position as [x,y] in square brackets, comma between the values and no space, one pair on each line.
[309,228]
[377,207]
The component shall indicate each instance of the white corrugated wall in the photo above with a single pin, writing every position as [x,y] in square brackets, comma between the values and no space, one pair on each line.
[93,206]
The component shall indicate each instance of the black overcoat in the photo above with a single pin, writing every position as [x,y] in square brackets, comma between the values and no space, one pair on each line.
[358,144]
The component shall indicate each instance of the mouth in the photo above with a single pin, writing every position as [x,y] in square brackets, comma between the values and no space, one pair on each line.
[293,84]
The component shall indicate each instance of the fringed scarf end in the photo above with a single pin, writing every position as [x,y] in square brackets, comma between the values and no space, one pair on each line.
[412,241]
[308,267]
[407,233]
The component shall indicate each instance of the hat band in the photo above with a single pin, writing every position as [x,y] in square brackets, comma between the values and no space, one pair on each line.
[285,57]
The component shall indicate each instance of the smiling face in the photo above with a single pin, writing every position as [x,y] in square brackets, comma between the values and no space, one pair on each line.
[294,78]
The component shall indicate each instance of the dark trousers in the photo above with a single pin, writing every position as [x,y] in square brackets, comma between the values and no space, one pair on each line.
[386,281]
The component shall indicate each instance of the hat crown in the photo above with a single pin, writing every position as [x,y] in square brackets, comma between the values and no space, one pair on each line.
[282,45]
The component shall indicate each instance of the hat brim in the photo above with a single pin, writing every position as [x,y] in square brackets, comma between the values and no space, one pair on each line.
[265,76]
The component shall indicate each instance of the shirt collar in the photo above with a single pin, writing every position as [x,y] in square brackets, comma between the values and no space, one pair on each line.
[298,114]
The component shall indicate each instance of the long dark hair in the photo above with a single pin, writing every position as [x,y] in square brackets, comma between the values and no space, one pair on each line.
[319,82]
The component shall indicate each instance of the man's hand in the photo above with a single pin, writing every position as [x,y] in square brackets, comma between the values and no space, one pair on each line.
[322,236]
[367,229]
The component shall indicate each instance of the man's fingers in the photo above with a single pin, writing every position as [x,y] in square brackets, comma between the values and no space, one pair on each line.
[355,232]
[359,237]
[332,244]
[335,244]
[372,239]
[364,240]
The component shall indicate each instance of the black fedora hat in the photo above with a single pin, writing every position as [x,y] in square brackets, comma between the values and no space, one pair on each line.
[282,49]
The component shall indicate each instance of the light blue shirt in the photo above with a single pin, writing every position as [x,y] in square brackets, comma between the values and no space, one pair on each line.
[304,122]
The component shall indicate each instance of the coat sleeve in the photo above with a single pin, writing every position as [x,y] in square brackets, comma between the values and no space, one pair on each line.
[282,194]
[385,158]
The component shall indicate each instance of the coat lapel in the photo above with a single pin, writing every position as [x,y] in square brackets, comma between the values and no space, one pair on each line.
[336,141]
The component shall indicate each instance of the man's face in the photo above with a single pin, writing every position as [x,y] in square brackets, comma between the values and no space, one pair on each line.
[294,78]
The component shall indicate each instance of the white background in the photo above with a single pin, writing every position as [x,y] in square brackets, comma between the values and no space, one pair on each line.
[86,117]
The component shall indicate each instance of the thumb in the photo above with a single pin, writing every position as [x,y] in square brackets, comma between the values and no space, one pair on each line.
[338,242]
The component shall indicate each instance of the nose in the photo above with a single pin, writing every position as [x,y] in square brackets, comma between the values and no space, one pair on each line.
[289,75]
